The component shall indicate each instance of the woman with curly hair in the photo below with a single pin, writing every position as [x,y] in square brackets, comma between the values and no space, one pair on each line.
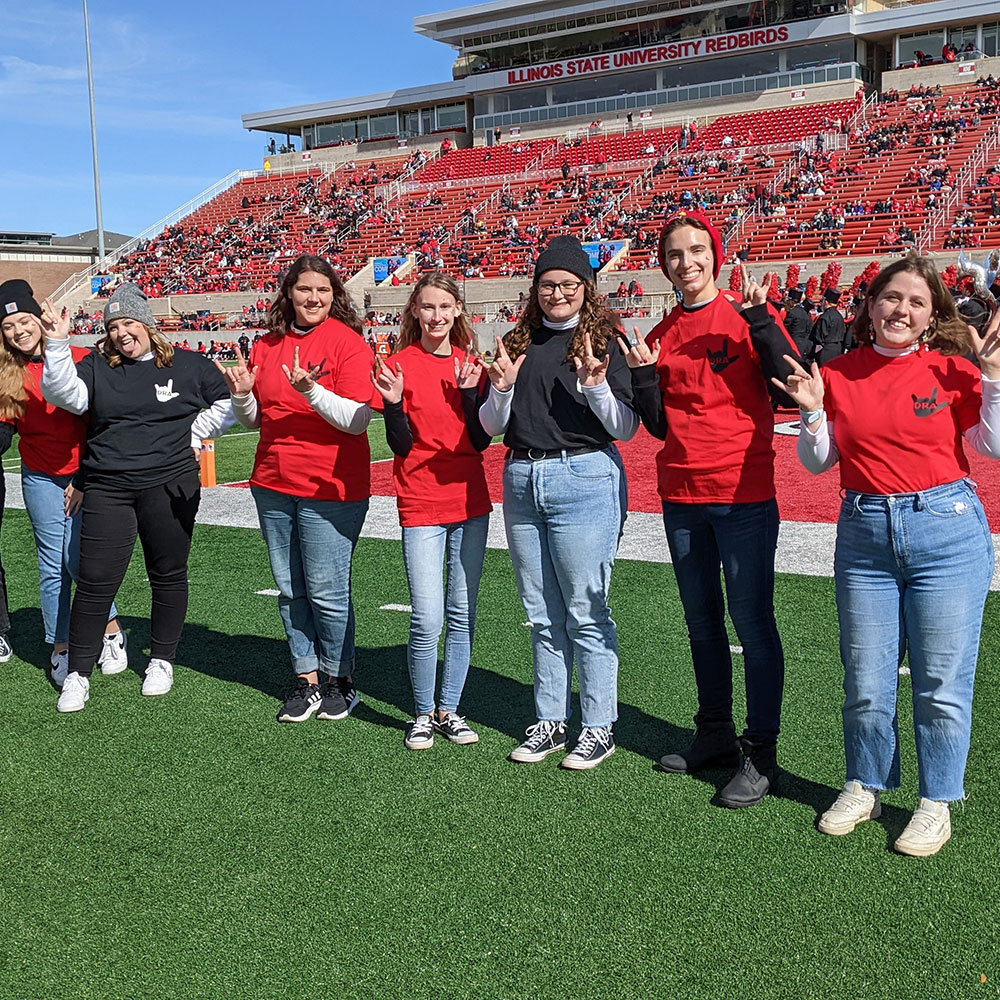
[914,556]
[148,407]
[431,387]
[307,387]
[50,442]
[561,395]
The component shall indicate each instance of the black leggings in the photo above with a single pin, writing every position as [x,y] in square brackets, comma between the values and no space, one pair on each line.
[163,517]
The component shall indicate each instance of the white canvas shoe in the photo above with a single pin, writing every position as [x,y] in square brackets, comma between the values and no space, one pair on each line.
[928,830]
[159,677]
[74,694]
[114,653]
[854,805]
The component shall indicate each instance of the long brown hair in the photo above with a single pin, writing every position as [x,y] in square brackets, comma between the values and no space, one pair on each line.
[163,350]
[460,334]
[948,332]
[595,318]
[281,315]
[13,395]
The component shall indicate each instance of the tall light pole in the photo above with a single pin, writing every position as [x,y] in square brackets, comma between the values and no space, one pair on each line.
[93,141]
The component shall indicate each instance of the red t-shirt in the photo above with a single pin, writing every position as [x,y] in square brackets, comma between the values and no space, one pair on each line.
[50,439]
[898,422]
[299,452]
[441,480]
[719,421]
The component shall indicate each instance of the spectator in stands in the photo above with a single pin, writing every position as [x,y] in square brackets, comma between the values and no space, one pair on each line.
[432,392]
[914,554]
[50,442]
[711,356]
[148,407]
[307,387]
[564,493]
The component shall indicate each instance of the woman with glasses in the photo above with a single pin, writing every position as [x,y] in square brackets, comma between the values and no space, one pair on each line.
[561,395]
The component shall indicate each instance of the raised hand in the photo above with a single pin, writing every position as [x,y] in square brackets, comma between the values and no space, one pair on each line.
[389,383]
[753,294]
[987,347]
[805,387]
[54,324]
[239,378]
[468,370]
[503,371]
[590,370]
[637,353]
[301,379]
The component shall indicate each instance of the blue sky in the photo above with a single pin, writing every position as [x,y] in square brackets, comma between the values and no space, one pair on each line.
[171,81]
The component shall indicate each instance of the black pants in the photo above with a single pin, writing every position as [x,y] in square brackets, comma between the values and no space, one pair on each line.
[163,518]
[4,610]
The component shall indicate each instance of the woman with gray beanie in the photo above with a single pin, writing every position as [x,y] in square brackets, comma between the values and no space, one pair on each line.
[561,394]
[148,409]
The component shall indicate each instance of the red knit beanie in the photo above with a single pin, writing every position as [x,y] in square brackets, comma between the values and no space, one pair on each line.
[701,221]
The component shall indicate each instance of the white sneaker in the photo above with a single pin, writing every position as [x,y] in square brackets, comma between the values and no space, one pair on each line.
[114,653]
[60,667]
[159,678]
[74,694]
[854,805]
[928,830]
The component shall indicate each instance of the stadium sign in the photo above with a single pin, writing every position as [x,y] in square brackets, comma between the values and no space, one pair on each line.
[691,48]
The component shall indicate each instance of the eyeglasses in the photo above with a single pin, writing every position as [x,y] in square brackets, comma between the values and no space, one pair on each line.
[568,288]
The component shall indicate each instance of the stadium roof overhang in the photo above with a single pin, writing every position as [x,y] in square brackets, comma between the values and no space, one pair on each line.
[914,16]
[388,100]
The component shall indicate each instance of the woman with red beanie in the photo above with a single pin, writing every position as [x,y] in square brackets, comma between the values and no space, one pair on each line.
[700,383]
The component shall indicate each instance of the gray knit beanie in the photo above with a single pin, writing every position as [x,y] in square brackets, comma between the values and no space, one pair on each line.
[129,302]
[564,253]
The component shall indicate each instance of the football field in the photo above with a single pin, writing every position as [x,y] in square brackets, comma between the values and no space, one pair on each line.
[189,846]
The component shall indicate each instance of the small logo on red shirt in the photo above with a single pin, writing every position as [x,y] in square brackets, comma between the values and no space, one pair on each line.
[924,406]
[720,360]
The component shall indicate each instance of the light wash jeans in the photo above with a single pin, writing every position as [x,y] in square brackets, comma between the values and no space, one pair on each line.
[912,574]
[563,518]
[57,540]
[461,547]
[310,544]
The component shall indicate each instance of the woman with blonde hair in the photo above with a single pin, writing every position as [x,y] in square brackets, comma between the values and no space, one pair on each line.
[914,556]
[50,442]
[431,388]
[148,408]
[561,395]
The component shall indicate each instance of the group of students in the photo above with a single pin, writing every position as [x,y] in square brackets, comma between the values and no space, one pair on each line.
[914,555]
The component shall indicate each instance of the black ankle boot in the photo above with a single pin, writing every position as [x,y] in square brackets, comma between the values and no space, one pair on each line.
[714,745]
[755,777]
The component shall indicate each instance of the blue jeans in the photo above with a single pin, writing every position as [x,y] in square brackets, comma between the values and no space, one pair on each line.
[310,544]
[740,539]
[563,518]
[461,547]
[912,574]
[57,540]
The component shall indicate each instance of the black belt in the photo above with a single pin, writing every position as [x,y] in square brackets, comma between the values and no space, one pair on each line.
[537,454]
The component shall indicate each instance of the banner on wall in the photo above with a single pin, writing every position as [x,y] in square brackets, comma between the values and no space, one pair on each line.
[601,252]
[384,266]
[98,281]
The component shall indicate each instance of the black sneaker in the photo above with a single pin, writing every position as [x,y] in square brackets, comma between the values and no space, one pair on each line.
[5,651]
[453,727]
[542,738]
[339,699]
[301,703]
[591,748]
[420,735]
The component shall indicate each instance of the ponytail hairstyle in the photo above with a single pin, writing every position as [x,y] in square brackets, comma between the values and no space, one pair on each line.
[281,315]
[460,334]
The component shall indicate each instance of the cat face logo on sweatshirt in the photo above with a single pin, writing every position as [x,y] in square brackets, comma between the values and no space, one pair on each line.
[925,406]
[720,360]
[165,393]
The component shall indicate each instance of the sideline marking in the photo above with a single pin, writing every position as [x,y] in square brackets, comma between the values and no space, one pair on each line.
[268,593]
[396,607]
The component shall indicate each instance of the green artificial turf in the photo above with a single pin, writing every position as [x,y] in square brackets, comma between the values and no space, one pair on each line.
[189,846]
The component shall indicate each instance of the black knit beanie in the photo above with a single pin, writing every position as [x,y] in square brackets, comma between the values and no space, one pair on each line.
[16,296]
[564,253]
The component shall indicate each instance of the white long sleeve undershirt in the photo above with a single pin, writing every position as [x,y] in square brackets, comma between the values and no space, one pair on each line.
[346,415]
[61,386]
